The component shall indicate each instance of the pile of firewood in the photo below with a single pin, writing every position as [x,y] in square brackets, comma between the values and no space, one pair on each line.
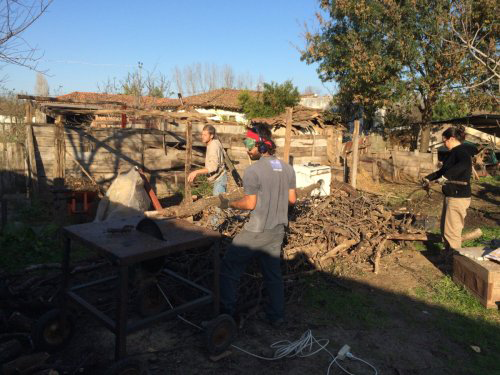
[323,228]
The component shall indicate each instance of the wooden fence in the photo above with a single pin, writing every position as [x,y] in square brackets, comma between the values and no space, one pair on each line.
[53,152]
[12,168]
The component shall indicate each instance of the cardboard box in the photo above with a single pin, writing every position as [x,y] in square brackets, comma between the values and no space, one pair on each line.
[480,277]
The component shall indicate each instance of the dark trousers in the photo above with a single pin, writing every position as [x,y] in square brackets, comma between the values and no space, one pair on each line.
[266,247]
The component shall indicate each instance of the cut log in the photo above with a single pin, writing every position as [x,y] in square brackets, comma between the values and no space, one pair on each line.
[476,233]
[326,259]
[201,204]
[431,237]
[378,255]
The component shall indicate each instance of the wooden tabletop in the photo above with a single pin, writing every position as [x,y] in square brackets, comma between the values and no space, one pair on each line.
[120,240]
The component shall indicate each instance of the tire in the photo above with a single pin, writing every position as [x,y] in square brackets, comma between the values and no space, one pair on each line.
[127,366]
[50,332]
[219,334]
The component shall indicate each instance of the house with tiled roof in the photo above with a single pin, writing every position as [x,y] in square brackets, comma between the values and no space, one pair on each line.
[223,104]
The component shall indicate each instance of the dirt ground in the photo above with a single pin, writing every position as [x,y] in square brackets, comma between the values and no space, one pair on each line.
[386,323]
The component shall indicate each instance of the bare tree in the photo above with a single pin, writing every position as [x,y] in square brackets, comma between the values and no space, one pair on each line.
[196,78]
[215,81]
[110,86]
[311,90]
[138,83]
[245,81]
[475,29]
[41,85]
[177,77]
[15,17]
[157,85]
[228,76]
[190,81]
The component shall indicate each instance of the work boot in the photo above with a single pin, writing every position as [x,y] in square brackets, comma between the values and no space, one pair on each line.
[275,323]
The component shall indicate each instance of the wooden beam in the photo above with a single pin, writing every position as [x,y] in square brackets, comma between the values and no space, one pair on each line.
[355,154]
[29,112]
[187,167]
[58,100]
[288,134]
[59,149]
[33,173]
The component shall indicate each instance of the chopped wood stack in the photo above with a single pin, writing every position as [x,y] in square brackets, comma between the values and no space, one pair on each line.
[345,222]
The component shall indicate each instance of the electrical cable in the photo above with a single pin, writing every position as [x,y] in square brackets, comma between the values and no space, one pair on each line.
[303,347]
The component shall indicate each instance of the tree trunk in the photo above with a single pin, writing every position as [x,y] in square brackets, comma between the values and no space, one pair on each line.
[425,137]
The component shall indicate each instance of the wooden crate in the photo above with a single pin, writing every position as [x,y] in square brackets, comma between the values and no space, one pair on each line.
[480,277]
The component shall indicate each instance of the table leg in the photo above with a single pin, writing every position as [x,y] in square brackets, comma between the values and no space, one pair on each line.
[216,278]
[65,274]
[121,314]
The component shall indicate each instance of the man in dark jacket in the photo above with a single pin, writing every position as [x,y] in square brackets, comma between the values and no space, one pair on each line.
[455,176]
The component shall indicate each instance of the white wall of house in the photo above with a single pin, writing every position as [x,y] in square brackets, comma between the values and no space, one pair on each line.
[223,115]
[316,102]
[8,119]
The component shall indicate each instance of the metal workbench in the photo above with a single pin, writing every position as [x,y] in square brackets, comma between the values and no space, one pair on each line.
[124,246]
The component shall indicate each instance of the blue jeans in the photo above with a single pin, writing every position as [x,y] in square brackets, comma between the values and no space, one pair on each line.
[266,246]
[220,185]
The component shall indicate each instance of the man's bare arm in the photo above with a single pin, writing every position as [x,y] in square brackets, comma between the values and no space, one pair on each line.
[248,202]
[292,196]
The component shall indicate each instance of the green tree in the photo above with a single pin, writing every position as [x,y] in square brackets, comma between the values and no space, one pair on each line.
[450,106]
[380,51]
[273,100]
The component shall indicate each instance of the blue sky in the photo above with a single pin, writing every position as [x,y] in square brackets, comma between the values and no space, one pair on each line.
[86,41]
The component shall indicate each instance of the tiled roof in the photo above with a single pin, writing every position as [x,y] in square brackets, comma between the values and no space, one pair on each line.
[220,98]
[129,100]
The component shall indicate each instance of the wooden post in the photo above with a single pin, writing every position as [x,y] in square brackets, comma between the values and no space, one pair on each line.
[355,149]
[375,172]
[59,151]
[30,150]
[187,166]
[29,112]
[288,134]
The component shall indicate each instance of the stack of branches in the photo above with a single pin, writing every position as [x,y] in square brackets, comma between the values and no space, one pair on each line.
[346,223]
[343,223]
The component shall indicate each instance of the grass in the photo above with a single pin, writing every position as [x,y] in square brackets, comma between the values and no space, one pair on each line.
[345,307]
[463,318]
[466,322]
[32,237]
[488,235]
[490,180]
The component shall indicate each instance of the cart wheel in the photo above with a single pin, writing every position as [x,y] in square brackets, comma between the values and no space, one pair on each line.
[50,332]
[219,334]
[127,367]
[150,300]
